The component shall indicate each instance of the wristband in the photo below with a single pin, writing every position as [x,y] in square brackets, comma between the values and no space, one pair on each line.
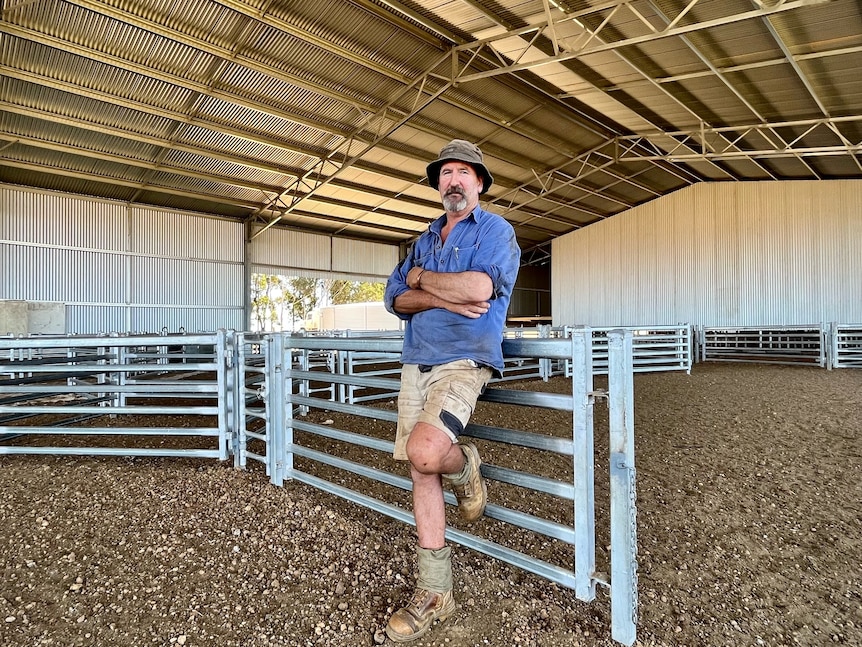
[419,278]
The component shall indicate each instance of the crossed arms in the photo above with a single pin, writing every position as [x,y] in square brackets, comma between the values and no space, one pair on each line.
[464,293]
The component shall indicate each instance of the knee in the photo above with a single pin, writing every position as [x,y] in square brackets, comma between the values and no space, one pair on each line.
[422,458]
[425,451]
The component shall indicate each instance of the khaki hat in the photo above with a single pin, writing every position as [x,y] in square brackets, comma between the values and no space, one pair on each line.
[462,151]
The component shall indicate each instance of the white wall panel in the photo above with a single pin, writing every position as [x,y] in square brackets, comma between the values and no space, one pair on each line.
[365,259]
[291,253]
[704,270]
[291,250]
[765,253]
[181,235]
[647,276]
[842,257]
[182,282]
[47,218]
[65,275]
[684,255]
[97,319]
[120,268]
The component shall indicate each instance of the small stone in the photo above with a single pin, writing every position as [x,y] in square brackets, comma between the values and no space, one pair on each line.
[379,637]
[181,639]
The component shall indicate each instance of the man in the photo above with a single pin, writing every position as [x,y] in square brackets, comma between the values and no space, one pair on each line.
[453,290]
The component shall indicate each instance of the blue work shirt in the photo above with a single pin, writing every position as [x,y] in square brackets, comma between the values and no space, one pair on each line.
[481,242]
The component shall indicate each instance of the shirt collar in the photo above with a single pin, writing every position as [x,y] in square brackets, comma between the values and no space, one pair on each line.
[478,214]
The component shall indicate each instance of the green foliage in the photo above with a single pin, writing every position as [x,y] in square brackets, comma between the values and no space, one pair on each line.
[355,292]
[283,303]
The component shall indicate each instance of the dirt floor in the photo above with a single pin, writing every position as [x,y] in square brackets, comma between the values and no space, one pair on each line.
[749,483]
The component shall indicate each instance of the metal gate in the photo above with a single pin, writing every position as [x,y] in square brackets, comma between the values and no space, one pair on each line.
[279,389]
[253,389]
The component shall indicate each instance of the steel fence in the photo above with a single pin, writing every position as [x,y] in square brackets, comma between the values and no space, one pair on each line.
[91,391]
[654,348]
[74,386]
[846,345]
[765,344]
[285,395]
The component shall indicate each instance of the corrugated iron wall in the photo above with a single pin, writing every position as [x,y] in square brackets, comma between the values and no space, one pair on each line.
[119,267]
[293,253]
[718,254]
[130,268]
[766,253]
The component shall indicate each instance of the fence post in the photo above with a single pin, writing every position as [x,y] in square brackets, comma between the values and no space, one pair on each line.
[622,487]
[278,427]
[224,358]
[583,464]
[235,387]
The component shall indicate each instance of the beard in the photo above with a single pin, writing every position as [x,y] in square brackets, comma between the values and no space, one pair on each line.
[454,201]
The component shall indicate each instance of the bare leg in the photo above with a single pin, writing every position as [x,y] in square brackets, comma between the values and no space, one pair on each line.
[431,454]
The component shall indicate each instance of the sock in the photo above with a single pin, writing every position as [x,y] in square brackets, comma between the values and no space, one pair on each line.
[435,569]
[459,478]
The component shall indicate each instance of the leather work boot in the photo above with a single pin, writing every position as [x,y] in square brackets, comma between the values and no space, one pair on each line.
[470,489]
[414,620]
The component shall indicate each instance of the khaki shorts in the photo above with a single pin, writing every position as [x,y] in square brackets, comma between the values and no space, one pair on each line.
[443,397]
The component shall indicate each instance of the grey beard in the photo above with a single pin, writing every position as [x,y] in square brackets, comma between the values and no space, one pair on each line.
[455,202]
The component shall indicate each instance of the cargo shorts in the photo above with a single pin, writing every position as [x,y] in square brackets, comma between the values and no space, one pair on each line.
[443,396]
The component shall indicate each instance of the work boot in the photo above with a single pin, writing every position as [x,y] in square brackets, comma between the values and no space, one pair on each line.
[414,620]
[468,486]
[432,599]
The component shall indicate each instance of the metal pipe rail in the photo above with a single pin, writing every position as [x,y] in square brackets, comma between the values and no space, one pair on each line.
[520,368]
[368,364]
[765,344]
[846,345]
[78,379]
[254,387]
[654,348]
[385,364]
[287,397]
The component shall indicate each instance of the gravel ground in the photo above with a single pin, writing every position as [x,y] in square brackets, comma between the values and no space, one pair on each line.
[749,531]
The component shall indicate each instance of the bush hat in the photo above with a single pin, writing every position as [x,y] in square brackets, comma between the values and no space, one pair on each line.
[462,151]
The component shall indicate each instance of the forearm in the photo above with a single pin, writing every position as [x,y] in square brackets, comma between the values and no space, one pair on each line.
[414,301]
[454,287]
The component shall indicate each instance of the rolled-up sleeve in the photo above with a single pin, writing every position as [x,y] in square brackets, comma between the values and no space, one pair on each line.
[499,257]
[397,285]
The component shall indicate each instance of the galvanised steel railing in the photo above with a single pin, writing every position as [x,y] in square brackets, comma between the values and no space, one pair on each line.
[283,400]
[654,348]
[807,344]
[91,391]
[846,345]
[65,386]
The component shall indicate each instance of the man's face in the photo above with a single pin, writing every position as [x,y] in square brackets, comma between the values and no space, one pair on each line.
[459,186]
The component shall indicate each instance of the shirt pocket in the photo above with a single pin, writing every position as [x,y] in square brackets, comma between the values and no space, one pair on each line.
[426,261]
[462,257]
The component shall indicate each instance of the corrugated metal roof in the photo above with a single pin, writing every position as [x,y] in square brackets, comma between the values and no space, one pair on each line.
[322,115]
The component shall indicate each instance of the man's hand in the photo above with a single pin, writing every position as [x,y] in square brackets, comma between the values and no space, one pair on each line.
[467,288]
[471,310]
[414,301]
[413,277]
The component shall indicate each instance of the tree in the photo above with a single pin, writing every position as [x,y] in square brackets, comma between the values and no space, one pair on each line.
[280,302]
[303,294]
[267,301]
[341,291]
